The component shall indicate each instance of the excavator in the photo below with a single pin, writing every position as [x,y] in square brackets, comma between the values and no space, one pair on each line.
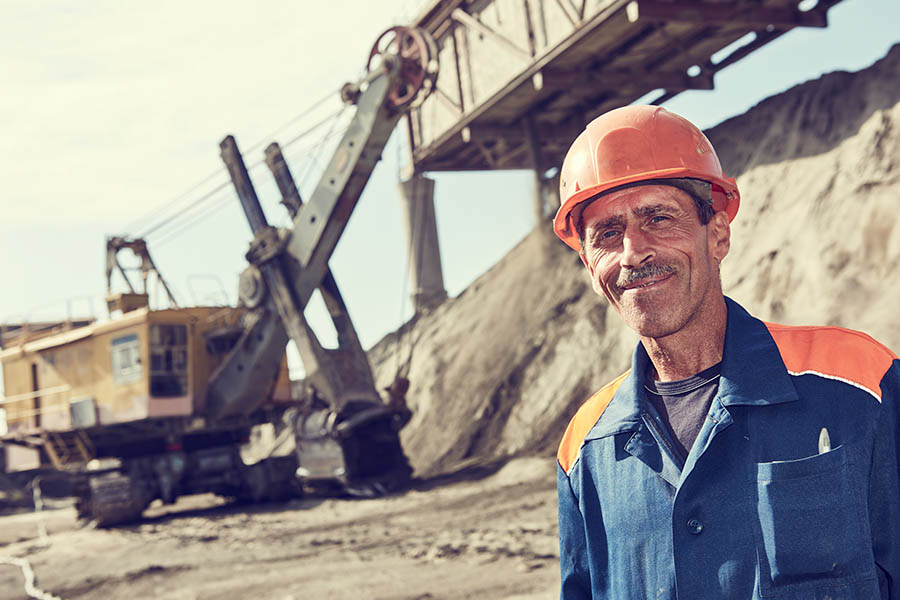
[157,404]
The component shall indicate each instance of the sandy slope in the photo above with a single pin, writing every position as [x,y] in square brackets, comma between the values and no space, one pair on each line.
[820,166]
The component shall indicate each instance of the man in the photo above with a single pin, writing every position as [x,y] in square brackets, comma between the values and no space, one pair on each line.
[735,459]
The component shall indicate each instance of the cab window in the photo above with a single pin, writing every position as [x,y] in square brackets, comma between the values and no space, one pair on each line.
[125,356]
[168,361]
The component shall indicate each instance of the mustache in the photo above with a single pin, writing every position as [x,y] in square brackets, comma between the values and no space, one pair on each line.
[648,271]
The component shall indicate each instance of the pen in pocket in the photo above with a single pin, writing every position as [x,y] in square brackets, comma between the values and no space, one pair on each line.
[824,441]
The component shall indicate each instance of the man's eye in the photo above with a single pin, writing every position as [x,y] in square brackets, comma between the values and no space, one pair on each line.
[659,219]
[603,238]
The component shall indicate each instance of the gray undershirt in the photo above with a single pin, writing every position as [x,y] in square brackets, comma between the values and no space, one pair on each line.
[683,405]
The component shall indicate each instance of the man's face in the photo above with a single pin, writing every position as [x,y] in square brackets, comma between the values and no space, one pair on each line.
[647,252]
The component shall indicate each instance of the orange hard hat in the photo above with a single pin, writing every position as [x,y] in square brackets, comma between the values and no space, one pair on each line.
[635,144]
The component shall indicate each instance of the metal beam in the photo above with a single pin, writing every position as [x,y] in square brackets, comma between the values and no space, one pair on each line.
[458,73]
[464,18]
[436,19]
[762,38]
[290,196]
[320,222]
[331,294]
[448,101]
[619,79]
[422,153]
[570,12]
[332,372]
[529,25]
[514,134]
[488,156]
[750,15]
[534,152]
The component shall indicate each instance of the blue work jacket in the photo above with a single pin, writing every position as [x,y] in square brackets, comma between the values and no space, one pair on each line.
[759,509]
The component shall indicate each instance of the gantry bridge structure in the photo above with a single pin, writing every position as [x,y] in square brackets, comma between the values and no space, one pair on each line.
[519,79]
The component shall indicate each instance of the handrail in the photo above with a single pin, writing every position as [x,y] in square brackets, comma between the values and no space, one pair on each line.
[35,394]
[41,411]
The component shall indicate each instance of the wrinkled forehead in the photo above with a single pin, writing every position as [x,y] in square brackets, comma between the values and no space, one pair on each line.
[633,200]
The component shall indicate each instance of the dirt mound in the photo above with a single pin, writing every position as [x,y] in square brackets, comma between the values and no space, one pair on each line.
[815,238]
[500,369]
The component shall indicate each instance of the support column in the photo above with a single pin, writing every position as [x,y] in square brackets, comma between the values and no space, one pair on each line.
[534,150]
[426,276]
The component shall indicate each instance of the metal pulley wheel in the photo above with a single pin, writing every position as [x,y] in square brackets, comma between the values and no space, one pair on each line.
[417,53]
[251,287]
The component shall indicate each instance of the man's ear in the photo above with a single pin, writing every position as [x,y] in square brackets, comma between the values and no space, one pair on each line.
[719,235]
[594,283]
[586,264]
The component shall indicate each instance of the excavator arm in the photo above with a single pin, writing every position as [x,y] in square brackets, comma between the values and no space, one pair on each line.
[344,431]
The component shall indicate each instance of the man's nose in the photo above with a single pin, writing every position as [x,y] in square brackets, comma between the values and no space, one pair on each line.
[637,248]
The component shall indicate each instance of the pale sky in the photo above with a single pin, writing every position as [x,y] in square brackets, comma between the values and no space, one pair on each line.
[111,109]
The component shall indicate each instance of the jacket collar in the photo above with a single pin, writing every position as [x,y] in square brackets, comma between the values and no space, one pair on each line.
[753,374]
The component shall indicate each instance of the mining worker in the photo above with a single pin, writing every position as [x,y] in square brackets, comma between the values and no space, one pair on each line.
[736,459]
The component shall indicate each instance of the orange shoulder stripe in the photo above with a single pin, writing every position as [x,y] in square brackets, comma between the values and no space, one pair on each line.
[834,353]
[586,417]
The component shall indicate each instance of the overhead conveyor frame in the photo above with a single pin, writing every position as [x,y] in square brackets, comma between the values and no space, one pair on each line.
[565,61]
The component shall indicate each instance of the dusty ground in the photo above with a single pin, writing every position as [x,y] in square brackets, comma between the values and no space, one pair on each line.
[473,535]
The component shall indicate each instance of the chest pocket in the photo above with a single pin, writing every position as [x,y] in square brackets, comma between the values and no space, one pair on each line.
[812,531]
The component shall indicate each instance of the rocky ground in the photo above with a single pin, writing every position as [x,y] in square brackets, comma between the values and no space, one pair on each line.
[483,532]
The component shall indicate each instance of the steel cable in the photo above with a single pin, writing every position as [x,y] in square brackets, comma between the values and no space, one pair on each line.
[223,201]
[318,150]
[171,234]
[193,205]
[179,199]
[294,119]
